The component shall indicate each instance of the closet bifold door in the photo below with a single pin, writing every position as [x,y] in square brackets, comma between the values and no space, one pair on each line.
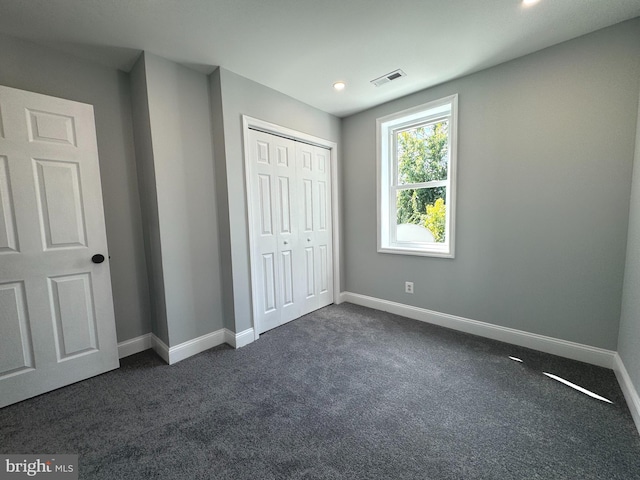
[313,179]
[275,234]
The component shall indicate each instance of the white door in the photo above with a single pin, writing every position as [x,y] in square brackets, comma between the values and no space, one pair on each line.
[291,229]
[314,194]
[276,234]
[56,312]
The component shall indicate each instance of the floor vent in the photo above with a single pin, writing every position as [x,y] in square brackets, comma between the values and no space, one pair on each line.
[388,77]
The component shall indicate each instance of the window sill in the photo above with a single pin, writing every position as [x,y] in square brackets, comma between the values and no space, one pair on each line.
[421,252]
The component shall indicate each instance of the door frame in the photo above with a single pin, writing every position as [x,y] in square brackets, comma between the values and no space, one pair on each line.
[251,123]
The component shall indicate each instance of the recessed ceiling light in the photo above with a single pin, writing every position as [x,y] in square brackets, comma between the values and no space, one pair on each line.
[528,3]
[339,86]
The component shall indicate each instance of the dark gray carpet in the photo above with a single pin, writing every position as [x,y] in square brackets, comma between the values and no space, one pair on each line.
[345,392]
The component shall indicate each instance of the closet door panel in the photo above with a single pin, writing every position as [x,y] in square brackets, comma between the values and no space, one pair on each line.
[265,225]
[322,231]
[314,183]
[288,242]
[307,186]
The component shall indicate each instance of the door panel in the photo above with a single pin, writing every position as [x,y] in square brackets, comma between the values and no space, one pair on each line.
[285,205]
[51,127]
[266,223]
[307,158]
[287,278]
[309,273]
[283,155]
[8,239]
[322,234]
[262,152]
[271,199]
[323,265]
[322,206]
[266,251]
[59,204]
[15,332]
[55,304]
[269,282]
[288,230]
[315,188]
[73,312]
[307,196]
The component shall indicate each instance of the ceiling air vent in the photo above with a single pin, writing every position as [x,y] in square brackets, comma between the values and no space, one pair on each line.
[388,77]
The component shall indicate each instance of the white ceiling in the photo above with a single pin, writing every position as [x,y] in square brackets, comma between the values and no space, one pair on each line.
[301,47]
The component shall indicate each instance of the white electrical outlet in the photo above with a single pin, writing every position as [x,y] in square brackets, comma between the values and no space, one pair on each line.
[408,287]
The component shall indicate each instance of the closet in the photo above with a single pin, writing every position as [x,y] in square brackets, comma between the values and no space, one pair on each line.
[289,187]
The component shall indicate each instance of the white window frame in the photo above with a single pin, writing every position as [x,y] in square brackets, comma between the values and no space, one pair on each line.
[386,128]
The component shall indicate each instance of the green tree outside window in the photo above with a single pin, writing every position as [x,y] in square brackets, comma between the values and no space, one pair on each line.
[422,154]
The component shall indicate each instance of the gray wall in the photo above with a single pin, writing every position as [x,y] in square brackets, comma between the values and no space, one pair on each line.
[148,198]
[35,68]
[180,124]
[629,339]
[546,144]
[242,96]
[222,195]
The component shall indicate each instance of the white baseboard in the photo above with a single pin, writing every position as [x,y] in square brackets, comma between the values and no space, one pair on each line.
[134,345]
[189,348]
[160,348]
[629,390]
[195,346]
[555,346]
[237,340]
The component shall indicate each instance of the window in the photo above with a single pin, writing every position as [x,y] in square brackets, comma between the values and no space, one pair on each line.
[416,179]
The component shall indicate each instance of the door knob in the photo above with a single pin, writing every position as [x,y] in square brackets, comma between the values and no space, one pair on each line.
[308,239]
[97,258]
[286,243]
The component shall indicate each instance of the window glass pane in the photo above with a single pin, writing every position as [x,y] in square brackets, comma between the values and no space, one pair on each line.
[421,215]
[423,153]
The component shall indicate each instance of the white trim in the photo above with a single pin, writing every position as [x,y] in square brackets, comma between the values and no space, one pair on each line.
[197,345]
[186,349]
[335,218]
[387,178]
[629,390]
[244,338]
[238,340]
[192,347]
[229,337]
[134,345]
[272,128]
[160,348]
[397,250]
[555,346]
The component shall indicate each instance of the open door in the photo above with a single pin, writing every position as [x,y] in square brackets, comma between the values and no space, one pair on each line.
[56,312]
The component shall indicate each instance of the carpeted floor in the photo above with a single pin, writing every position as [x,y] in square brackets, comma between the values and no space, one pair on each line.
[343,393]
